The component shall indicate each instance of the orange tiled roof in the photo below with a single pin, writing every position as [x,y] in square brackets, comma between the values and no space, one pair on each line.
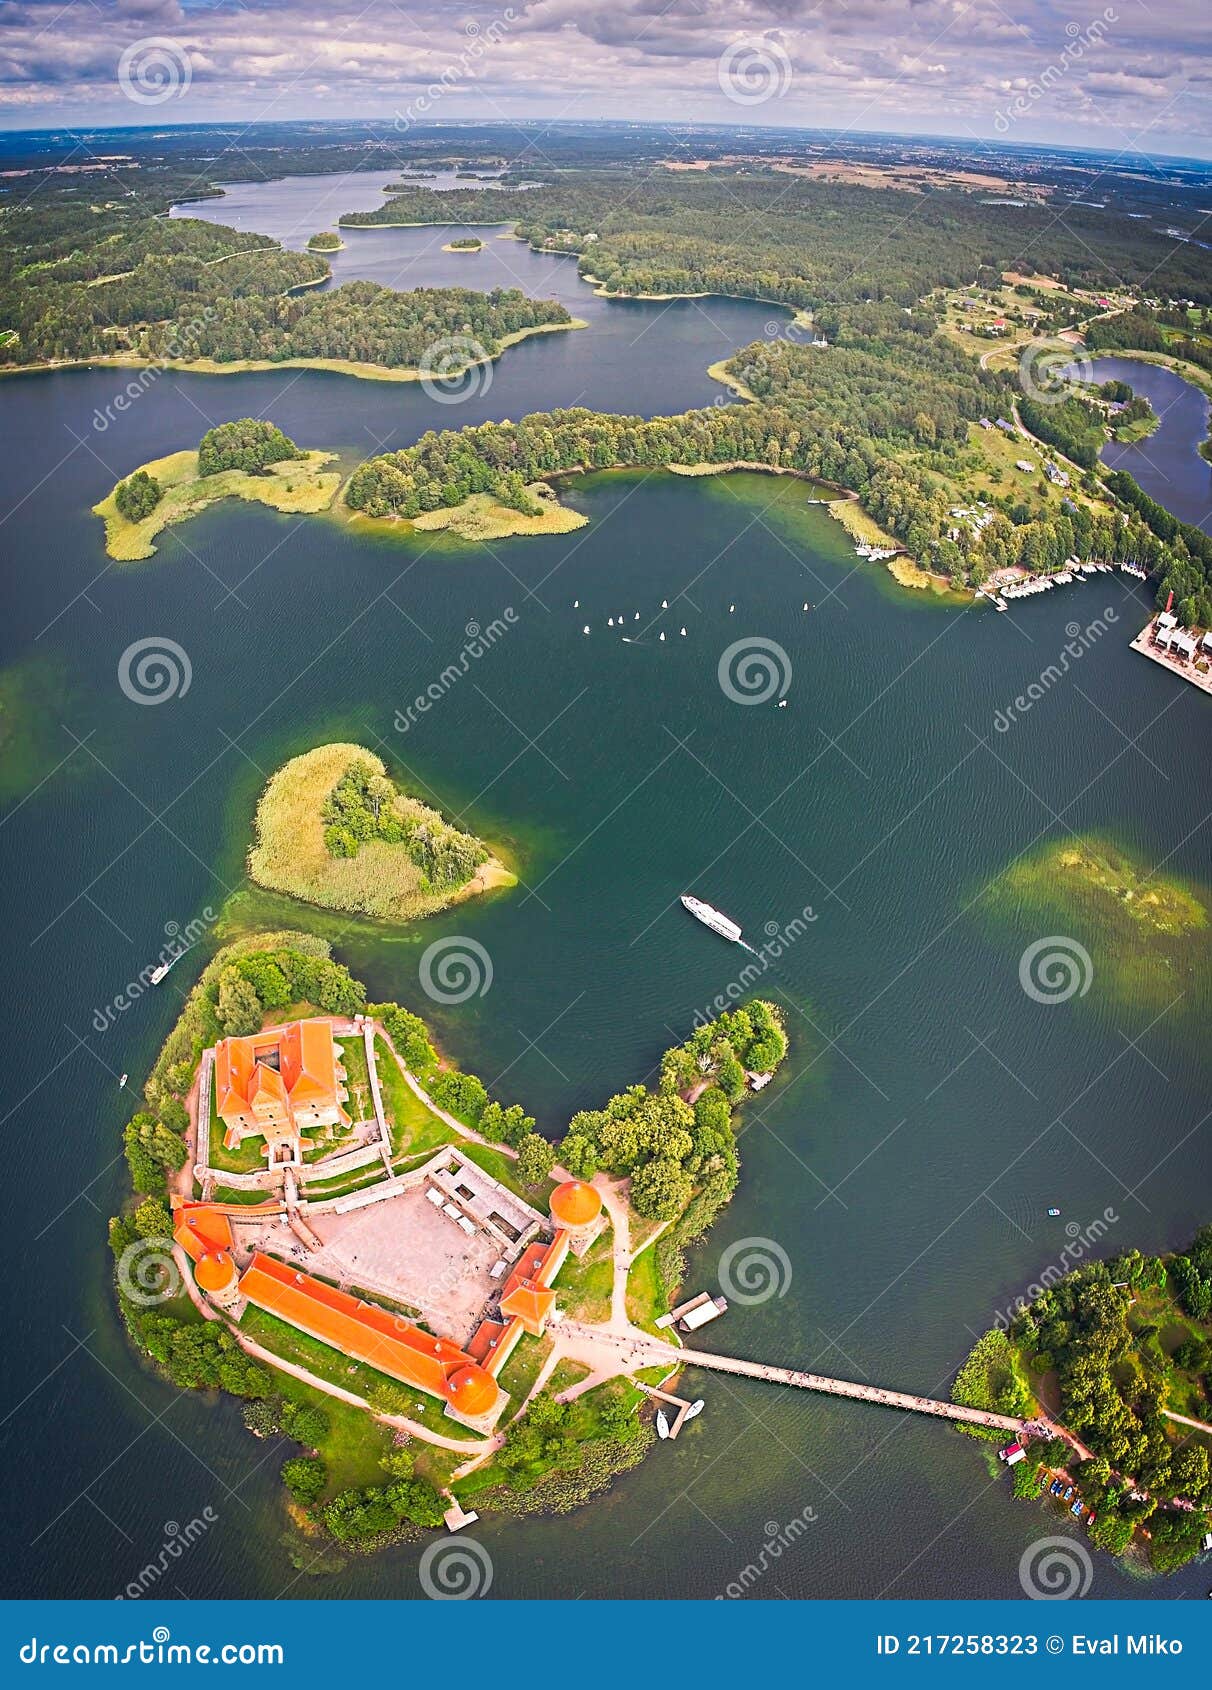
[306,1071]
[364,1331]
[530,1303]
[575,1203]
[201,1228]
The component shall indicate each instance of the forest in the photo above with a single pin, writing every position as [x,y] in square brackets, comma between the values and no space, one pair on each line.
[884,411]
[806,243]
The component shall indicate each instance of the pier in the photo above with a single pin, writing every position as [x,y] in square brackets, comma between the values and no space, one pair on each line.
[636,1349]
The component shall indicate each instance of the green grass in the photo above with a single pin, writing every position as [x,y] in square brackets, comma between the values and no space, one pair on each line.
[646,1294]
[565,1375]
[354,1444]
[413,1127]
[584,1284]
[519,1373]
[353,1059]
[336,1369]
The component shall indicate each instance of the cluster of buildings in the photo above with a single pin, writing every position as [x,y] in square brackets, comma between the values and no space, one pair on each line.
[279,1085]
[1169,636]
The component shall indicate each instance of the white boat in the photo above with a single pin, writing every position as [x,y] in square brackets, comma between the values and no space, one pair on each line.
[158,973]
[731,608]
[662,1423]
[124,1079]
[695,1408]
[636,618]
[682,631]
[715,919]
[805,604]
[585,629]
[576,604]
[664,604]
[610,621]
[662,634]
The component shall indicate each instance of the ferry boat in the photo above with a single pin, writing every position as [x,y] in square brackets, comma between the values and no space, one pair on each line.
[157,974]
[715,919]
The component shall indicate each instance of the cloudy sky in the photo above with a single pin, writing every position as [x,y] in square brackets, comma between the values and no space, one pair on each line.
[1128,75]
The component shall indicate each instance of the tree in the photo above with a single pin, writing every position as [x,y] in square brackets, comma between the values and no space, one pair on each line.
[250,444]
[305,1477]
[239,1008]
[305,1422]
[660,1189]
[579,1156]
[137,497]
[152,1219]
[536,1158]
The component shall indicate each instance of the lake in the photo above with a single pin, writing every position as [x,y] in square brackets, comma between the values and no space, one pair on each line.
[929,1113]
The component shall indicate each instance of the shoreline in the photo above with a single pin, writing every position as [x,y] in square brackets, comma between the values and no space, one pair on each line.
[250,366]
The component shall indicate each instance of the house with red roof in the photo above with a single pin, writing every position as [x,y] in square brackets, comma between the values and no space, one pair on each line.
[278,1084]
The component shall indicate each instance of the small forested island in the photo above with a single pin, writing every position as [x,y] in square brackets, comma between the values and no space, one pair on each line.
[410,1391]
[466,243]
[1119,1352]
[333,829]
[249,459]
[327,240]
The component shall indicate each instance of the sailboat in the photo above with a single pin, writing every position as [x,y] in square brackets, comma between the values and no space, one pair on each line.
[662,1423]
[695,1408]
[124,1079]
[682,631]
[610,621]
[664,604]
[662,633]
[637,616]
[731,608]
[576,604]
[585,629]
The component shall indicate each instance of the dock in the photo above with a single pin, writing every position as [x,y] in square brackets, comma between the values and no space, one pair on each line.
[695,1313]
[1171,660]
[679,1403]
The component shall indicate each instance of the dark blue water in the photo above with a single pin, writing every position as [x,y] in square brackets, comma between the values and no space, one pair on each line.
[929,1112]
[1168,464]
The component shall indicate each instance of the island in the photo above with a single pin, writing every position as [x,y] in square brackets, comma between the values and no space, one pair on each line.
[327,240]
[334,1223]
[466,243]
[1121,1352]
[249,459]
[334,830]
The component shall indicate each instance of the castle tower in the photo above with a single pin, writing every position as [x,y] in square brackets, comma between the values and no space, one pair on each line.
[576,1208]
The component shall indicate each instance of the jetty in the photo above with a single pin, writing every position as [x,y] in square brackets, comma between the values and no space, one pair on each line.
[636,1349]
[1163,641]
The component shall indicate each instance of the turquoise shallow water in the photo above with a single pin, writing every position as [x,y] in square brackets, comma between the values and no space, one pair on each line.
[928,1115]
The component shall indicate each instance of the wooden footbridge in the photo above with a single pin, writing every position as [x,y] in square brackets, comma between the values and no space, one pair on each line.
[643,1351]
